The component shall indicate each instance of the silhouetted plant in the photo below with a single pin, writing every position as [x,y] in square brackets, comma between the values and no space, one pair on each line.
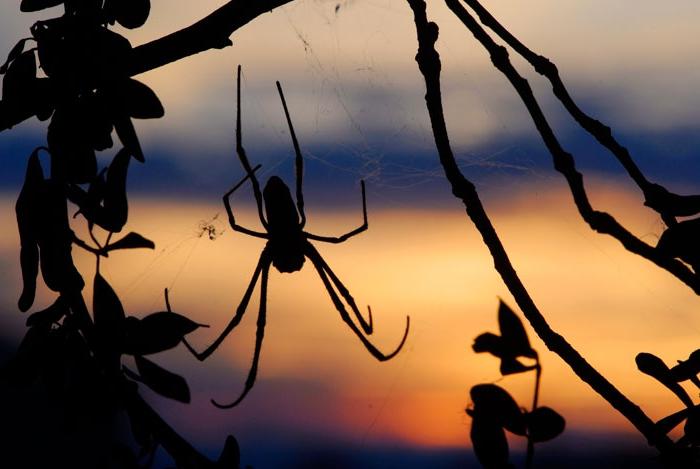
[85,89]
[75,356]
[286,249]
[493,410]
[688,445]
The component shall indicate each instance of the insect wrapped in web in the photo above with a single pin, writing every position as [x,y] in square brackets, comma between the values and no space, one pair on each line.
[286,249]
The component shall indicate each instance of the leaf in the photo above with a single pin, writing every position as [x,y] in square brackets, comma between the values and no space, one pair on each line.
[109,322]
[544,424]
[680,240]
[56,240]
[489,443]
[14,53]
[230,457]
[37,5]
[687,369]
[131,13]
[108,309]
[511,366]
[19,81]
[112,215]
[157,332]
[50,315]
[115,201]
[513,333]
[162,381]
[127,135]
[26,209]
[130,241]
[488,342]
[139,101]
[495,403]
[653,366]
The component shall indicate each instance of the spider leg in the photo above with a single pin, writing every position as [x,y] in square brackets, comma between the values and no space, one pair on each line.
[259,334]
[299,162]
[242,154]
[349,234]
[229,211]
[315,256]
[263,265]
[337,302]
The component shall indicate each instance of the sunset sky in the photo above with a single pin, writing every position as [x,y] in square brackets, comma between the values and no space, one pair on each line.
[356,99]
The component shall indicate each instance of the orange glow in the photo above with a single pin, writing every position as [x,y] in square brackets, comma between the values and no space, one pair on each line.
[431,265]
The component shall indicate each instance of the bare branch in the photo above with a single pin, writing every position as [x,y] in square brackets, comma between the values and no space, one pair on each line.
[657,197]
[211,32]
[599,221]
[429,65]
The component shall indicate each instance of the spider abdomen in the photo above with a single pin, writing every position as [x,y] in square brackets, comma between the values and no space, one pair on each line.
[281,212]
[287,252]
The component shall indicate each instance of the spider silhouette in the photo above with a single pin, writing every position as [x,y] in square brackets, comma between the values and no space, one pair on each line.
[286,249]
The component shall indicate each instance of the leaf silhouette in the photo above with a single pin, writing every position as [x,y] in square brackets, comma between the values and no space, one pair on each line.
[115,202]
[230,457]
[55,241]
[489,443]
[156,332]
[112,215]
[19,74]
[130,13]
[50,315]
[139,101]
[512,343]
[26,209]
[495,403]
[513,333]
[130,241]
[37,5]
[653,366]
[490,343]
[127,135]
[680,240]
[162,381]
[14,53]
[510,366]
[687,369]
[544,424]
[109,322]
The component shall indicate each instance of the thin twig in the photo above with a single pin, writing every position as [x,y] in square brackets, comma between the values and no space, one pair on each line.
[429,65]
[545,67]
[530,456]
[599,221]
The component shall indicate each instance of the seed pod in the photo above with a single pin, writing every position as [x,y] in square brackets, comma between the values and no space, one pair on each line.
[26,209]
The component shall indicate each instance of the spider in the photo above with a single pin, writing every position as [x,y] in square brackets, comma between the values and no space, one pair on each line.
[286,249]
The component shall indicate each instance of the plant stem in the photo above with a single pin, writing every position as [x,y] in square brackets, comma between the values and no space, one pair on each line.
[531,444]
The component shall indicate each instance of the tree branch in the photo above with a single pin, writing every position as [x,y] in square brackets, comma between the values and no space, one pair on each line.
[211,32]
[599,221]
[657,197]
[429,65]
